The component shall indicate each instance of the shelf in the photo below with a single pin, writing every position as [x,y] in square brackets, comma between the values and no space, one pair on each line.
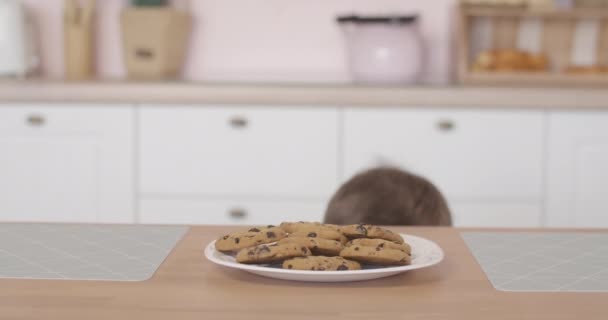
[532,78]
[556,42]
[546,13]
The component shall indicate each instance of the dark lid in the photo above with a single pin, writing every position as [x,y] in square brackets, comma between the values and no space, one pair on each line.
[378,19]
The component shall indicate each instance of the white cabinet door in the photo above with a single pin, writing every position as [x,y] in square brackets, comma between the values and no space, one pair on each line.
[468,154]
[490,213]
[253,151]
[66,163]
[228,211]
[577,179]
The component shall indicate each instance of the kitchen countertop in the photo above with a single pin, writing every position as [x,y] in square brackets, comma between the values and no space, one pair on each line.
[189,287]
[307,95]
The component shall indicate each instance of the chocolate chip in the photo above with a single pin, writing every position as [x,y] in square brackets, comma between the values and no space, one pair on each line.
[225,237]
[237,240]
[342,267]
[315,248]
[381,245]
[289,267]
[250,253]
[312,235]
[263,249]
[304,250]
[270,234]
[356,248]
[361,228]
[254,230]
[269,226]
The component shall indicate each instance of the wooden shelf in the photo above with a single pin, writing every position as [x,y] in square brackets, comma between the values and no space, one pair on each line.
[533,78]
[523,13]
[556,43]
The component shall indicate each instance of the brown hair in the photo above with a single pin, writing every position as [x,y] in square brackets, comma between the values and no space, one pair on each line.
[388,196]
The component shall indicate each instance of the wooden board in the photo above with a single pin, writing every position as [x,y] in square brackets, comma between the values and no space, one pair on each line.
[557,41]
[464,49]
[505,31]
[534,78]
[602,47]
[582,13]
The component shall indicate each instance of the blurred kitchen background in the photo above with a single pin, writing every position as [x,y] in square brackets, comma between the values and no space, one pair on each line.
[286,41]
[255,111]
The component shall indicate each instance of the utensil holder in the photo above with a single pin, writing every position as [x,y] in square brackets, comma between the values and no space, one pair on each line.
[78,47]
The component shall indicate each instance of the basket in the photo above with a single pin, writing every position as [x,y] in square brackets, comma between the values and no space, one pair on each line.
[155,41]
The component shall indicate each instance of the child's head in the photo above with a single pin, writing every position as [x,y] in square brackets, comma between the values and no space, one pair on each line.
[388,196]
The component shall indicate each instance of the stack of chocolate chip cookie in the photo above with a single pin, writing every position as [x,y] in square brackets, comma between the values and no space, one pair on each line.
[316,246]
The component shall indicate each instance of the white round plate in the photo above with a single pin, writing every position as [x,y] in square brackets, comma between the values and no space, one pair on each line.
[425,253]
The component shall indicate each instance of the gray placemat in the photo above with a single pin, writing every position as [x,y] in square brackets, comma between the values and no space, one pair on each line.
[542,261]
[84,252]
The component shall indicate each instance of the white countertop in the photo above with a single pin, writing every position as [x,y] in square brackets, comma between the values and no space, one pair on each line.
[309,95]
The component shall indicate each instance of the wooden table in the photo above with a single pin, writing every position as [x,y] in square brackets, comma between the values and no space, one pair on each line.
[187,286]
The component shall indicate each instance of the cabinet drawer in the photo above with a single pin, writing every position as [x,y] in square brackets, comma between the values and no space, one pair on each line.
[468,154]
[228,212]
[496,214]
[42,119]
[243,151]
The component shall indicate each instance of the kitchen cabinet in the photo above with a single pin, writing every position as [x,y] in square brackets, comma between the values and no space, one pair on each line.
[233,211]
[577,169]
[484,162]
[493,213]
[232,151]
[236,165]
[220,164]
[66,163]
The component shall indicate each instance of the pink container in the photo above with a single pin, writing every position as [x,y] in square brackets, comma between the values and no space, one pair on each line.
[383,49]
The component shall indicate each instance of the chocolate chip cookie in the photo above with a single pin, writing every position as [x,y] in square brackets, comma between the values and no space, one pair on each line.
[291,227]
[252,237]
[376,255]
[365,242]
[320,263]
[322,233]
[355,231]
[271,253]
[318,246]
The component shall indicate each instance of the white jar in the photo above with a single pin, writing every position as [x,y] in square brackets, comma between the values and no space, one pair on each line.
[383,50]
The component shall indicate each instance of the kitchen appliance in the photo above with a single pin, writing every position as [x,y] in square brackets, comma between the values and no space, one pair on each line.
[17,46]
[383,49]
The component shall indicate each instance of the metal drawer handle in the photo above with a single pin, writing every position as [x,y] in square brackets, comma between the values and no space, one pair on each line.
[237,213]
[238,122]
[35,120]
[446,125]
